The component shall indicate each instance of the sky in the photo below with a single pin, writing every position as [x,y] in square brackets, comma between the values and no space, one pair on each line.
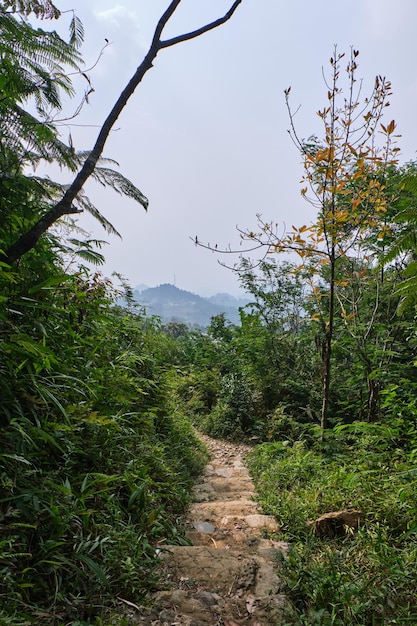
[205,136]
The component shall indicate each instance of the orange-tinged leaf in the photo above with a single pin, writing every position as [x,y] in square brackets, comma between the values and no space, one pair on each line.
[391,127]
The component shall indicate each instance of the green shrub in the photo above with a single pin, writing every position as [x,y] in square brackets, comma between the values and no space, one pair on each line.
[96,463]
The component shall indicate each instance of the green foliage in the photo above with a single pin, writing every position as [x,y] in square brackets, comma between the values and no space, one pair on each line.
[367,577]
[238,378]
[42,9]
[366,580]
[401,246]
[95,461]
[233,417]
[35,63]
[279,426]
[372,343]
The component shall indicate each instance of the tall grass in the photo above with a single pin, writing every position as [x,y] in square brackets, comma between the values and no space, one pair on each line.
[369,576]
[96,463]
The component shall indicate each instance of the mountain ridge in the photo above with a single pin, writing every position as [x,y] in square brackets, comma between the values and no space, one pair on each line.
[173,304]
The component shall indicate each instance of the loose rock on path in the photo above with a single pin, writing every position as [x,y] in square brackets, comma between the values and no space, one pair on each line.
[229,575]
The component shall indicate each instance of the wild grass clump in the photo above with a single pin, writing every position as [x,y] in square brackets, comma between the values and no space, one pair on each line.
[367,576]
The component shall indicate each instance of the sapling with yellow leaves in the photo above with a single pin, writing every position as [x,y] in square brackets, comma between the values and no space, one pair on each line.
[344,181]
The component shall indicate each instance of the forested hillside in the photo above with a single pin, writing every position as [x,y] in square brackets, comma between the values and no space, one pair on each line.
[98,402]
[177,305]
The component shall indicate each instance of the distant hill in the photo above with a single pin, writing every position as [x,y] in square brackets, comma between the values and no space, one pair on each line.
[226,300]
[177,305]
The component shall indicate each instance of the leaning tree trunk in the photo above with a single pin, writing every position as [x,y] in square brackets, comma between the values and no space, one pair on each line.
[65,206]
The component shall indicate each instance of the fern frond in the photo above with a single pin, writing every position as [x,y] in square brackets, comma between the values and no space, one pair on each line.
[404,242]
[98,243]
[76,32]
[409,214]
[42,9]
[410,270]
[410,183]
[34,65]
[84,203]
[34,141]
[407,290]
[120,184]
[85,250]
[84,154]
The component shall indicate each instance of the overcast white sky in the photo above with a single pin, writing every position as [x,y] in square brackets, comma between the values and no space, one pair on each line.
[205,135]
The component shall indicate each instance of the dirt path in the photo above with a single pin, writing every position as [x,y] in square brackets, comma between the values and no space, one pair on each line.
[228,577]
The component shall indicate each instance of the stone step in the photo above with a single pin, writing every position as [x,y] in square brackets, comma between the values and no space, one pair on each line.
[220,508]
[220,483]
[230,530]
[229,575]
[214,586]
[233,570]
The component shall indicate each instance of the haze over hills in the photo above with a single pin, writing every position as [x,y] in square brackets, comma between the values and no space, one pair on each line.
[172,304]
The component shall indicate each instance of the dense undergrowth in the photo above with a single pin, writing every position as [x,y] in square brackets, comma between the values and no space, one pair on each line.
[96,461]
[367,577]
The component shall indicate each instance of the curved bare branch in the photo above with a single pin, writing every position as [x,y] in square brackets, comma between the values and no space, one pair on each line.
[65,206]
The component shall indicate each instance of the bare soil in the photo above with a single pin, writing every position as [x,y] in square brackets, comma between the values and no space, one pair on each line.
[229,576]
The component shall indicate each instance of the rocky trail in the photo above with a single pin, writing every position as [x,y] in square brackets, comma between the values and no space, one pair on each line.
[229,575]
